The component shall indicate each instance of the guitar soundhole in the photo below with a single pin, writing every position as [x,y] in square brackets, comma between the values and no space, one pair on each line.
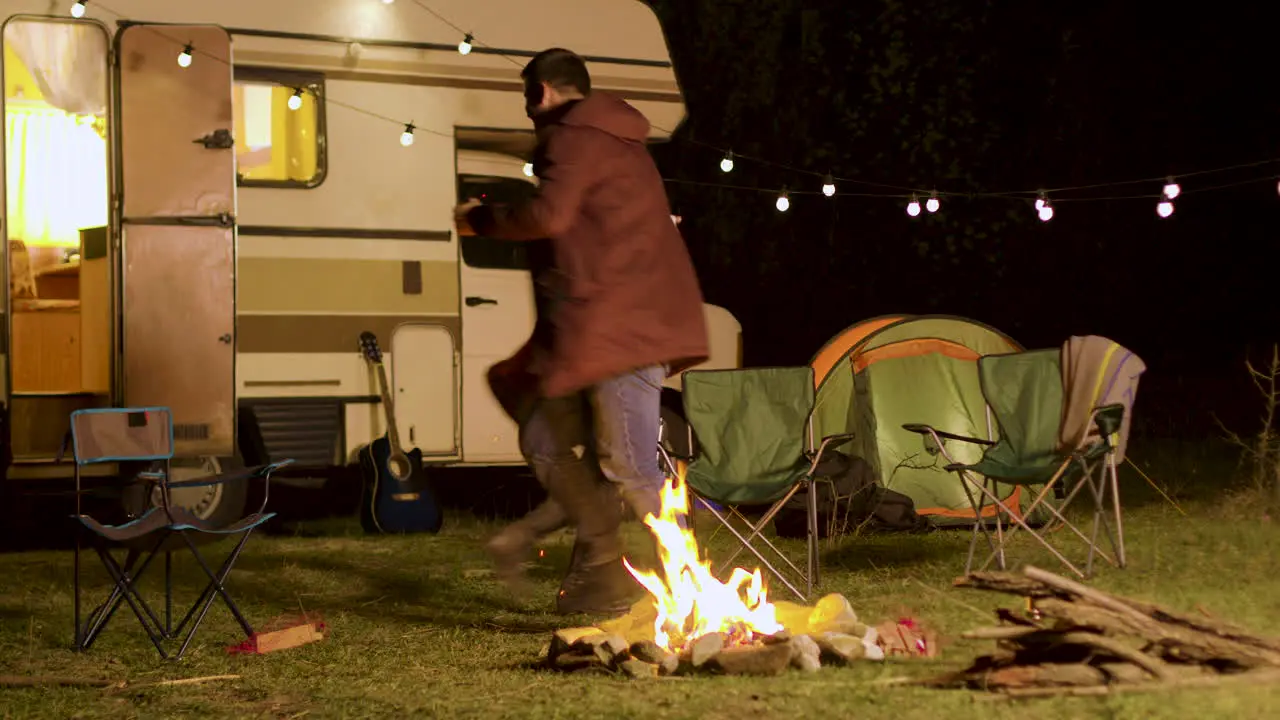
[398,466]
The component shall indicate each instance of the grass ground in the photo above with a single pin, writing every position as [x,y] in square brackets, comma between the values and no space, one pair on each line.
[419,628]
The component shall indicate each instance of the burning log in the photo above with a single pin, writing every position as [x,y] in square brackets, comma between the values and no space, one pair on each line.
[1073,637]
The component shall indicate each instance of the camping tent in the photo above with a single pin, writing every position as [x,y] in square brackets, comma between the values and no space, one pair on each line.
[881,373]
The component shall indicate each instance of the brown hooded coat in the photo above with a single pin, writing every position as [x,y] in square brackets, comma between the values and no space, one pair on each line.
[622,293]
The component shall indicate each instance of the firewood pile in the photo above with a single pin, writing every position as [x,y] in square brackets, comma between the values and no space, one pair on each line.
[1074,640]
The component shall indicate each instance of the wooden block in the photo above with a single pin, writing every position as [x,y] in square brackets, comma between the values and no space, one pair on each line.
[46,350]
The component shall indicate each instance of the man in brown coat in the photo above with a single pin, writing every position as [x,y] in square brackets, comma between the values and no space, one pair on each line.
[619,310]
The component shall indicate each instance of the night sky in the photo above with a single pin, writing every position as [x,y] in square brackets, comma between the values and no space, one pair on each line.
[977,98]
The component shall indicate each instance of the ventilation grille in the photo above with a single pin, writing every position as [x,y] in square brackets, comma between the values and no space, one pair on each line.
[308,432]
[191,432]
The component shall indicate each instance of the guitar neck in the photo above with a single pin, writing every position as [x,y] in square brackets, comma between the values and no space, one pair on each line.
[393,433]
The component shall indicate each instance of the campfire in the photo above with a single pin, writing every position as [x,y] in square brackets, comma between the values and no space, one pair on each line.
[693,622]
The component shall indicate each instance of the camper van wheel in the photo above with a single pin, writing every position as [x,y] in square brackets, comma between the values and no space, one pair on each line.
[220,504]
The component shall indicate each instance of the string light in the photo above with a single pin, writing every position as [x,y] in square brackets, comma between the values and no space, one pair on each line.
[1044,208]
[77,10]
[528,169]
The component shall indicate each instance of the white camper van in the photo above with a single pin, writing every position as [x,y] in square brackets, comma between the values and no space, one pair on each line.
[206,204]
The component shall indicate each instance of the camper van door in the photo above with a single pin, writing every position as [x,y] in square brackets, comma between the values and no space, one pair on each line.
[177,182]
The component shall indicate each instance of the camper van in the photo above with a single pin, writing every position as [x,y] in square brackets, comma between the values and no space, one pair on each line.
[207,205]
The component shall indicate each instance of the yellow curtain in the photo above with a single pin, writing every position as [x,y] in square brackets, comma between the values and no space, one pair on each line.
[56,176]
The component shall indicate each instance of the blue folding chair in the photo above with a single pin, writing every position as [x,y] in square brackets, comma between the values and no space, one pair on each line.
[120,435]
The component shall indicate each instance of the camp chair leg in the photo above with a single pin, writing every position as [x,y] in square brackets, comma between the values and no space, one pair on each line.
[130,595]
[101,615]
[168,594]
[756,529]
[1118,546]
[211,591]
[811,577]
[1001,507]
[751,548]
[979,527]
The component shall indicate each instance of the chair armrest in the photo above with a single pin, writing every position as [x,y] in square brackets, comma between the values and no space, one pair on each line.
[830,442]
[937,434]
[259,471]
[1108,419]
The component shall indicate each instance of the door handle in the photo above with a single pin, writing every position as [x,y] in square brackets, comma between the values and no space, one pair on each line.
[473,301]
[219,139]
[226,339]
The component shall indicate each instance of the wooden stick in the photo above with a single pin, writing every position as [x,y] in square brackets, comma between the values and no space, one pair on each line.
[1155,666]
[1094,596]
[1256,676]
[179,681]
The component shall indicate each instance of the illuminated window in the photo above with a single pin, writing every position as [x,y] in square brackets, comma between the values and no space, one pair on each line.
[278,145]
[56,161]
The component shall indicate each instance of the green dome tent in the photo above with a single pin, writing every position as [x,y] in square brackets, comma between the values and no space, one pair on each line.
[881,373]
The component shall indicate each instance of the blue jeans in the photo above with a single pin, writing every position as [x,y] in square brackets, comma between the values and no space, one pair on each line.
[625,420]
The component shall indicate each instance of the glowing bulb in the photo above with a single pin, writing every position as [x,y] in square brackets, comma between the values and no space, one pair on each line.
[406,137]
[295,100]
[528,169]
[1046,212]
[726,165]
[913,207]
[387,2]
[184,57]
[1278,187]
[1039,204]
[932,204]
[464,47]
[77,10]
[829,186]
[784,203]
[1171,189]
[1165,208]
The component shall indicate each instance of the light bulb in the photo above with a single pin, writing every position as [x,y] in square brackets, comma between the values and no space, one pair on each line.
[932,204]
[77,10]
[784,203]
[1046,212]
[406,137]
[913,207]
[726,165]
[464,47]
[184,57]
[528,169]
[387,2]
[1171,189]
[829,186]
[1164,209]
[295,100]
[1278,187]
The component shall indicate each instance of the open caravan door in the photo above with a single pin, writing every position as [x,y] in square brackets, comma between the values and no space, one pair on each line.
[177,212]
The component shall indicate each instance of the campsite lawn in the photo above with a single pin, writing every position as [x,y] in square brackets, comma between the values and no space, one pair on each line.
[419,628]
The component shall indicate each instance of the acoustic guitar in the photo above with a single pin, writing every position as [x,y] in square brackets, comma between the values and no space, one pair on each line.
[397,496]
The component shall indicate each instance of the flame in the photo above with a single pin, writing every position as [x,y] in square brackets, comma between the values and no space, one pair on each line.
[690,601]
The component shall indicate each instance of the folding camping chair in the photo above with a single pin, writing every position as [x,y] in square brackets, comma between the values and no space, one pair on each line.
[116,435]
[754,435]
[1045,440]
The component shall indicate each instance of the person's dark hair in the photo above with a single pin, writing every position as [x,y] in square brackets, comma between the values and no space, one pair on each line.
[559,68]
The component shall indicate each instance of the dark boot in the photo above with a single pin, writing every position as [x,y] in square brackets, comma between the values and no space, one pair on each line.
[597,583]
[511,547]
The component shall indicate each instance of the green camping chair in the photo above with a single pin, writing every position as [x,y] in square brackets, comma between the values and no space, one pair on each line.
[754,435]
[1025,392]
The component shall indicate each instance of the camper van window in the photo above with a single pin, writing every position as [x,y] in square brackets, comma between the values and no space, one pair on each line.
[279,131]
[486,252]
